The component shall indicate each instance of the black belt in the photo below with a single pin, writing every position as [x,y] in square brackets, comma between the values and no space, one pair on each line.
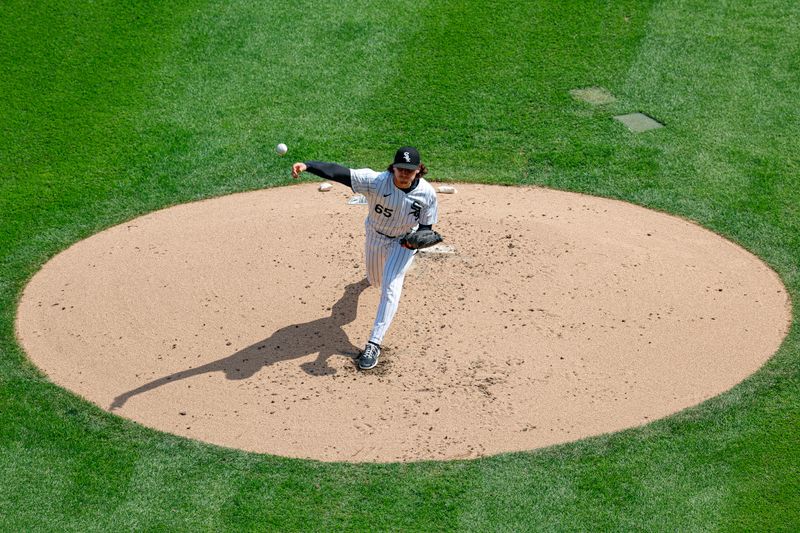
[388,236]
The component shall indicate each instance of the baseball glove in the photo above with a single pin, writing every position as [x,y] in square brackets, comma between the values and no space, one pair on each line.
[415,240]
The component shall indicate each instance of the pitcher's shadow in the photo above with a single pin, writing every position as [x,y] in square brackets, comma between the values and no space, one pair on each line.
[323,336]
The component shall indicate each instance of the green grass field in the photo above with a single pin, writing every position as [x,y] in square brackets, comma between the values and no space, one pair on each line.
[112,109]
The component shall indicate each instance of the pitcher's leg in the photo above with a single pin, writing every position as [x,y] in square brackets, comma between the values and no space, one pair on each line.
[375,254]
[394,272]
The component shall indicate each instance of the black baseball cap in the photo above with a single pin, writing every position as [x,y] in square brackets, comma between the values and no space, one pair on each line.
[406,157]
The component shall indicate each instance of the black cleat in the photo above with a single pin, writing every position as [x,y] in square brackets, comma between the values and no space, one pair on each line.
[369,357]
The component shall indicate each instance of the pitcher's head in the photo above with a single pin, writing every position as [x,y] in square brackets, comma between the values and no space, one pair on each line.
[407,166]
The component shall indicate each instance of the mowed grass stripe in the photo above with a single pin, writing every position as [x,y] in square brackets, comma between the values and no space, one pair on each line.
[482,88]
[727,91]
[74,80]
[247,76]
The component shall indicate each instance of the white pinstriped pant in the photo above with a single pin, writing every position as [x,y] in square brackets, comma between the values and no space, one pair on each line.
[387,264]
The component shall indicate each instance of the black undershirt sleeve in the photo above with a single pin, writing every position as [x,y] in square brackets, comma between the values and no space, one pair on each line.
[330,171]
[425,226]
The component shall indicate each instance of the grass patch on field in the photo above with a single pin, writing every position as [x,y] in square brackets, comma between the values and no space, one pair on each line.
[108,111]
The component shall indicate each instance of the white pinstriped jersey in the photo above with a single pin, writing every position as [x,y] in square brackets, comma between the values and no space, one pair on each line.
[393,212]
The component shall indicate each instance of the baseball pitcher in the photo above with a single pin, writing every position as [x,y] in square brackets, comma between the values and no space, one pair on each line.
[402,211]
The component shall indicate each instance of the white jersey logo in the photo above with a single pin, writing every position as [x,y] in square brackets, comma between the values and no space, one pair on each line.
[407,157]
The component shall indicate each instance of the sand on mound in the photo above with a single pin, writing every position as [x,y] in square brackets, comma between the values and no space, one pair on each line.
[557,316]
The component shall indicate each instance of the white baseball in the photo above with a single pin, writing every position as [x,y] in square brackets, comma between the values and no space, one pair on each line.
[281,149]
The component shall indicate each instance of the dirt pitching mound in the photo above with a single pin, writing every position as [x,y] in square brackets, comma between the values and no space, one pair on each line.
[556,316]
